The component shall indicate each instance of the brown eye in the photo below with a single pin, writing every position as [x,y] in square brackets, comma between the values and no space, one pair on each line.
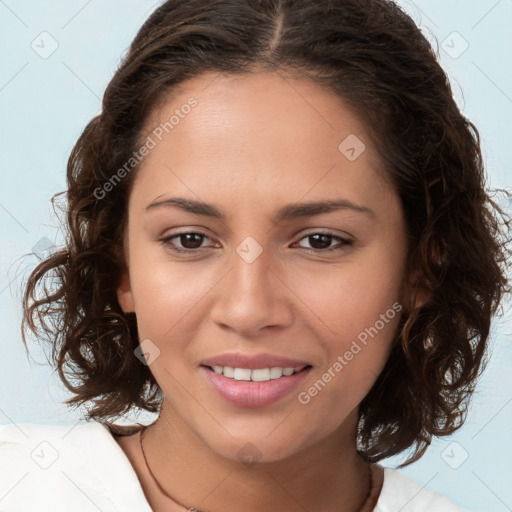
[190,240]
[184,242]
[321,242]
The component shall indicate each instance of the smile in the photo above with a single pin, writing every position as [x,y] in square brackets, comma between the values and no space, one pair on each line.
[256,374]
[256,387]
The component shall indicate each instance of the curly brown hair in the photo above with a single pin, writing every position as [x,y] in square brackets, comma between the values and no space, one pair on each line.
[370,53]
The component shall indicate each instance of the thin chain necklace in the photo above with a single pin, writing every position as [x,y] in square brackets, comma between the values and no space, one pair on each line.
[192,509]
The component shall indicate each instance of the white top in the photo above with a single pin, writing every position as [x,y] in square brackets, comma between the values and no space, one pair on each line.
[83,469]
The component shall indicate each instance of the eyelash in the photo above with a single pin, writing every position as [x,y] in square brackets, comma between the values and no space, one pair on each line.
[344,242]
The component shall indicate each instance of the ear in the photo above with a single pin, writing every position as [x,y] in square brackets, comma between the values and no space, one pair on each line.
[416,292]
[124,293]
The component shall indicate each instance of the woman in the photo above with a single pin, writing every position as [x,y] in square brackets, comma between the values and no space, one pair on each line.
[279,240]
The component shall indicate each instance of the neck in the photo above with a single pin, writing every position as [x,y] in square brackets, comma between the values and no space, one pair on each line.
[327,475]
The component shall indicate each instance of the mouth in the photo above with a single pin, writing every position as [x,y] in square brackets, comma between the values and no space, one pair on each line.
[256,374]
[254,387]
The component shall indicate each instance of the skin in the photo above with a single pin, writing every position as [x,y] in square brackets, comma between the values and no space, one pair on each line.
[253,144]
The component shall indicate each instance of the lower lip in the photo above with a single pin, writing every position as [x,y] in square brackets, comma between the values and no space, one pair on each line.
[244,393]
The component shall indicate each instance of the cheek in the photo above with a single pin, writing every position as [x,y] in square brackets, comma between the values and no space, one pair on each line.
[345,298]
[358,308]
[355,358]
[166,293]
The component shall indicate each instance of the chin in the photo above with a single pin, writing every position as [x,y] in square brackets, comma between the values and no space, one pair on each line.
[256,445]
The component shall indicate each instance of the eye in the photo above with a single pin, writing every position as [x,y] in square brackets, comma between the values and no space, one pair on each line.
[321,242]
[190,242]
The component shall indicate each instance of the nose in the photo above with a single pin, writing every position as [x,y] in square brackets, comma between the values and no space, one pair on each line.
[253,296]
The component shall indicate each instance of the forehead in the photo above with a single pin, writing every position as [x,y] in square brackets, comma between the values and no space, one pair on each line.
[263,136]
[264,102]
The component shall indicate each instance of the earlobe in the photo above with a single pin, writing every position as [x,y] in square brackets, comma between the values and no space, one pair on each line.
[417,292]
[124,294]
[420,296]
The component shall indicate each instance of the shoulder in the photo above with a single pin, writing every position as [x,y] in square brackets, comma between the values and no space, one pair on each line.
[399,492]
[64,467]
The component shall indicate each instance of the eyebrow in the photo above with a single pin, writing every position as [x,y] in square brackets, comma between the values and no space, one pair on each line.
[290,211]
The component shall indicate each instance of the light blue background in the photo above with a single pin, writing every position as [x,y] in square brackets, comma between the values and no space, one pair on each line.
[45,104]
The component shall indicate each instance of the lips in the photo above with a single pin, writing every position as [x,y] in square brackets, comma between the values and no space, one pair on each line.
[254,361]
[250,394]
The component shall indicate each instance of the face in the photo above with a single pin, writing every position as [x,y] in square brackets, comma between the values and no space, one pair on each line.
[226,258]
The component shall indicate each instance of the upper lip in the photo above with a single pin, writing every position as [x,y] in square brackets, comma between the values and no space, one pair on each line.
[264,360]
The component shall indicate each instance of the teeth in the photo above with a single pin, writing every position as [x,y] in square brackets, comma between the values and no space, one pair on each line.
[228,372]
[257,374]
[242,374]
[260,375]
[276,373]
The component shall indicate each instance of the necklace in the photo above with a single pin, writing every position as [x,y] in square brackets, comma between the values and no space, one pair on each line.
[192,509]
